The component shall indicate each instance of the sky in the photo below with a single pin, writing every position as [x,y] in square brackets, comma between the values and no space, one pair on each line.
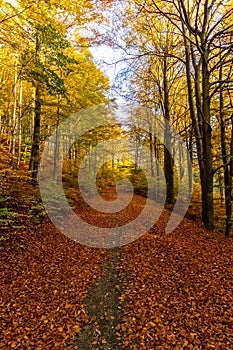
[106,59]
[13,2]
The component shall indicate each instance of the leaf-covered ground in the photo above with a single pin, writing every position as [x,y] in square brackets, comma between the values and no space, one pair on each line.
[180,290]
[160,292]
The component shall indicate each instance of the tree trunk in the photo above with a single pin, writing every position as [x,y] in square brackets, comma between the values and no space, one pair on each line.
[202,130]
[194,118]
[20,124]
[168,160]
[57,144]
[207,171]
[151,150]
[227,179]
[13,141]
[35,151]
[227,233]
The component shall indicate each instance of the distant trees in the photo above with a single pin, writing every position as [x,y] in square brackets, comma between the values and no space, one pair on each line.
[47,73]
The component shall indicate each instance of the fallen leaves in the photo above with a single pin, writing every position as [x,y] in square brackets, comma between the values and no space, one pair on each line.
[43,285]
[180,290]
[179,293]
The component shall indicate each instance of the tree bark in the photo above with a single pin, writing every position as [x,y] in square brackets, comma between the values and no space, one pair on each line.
[35,151]
[207,170]
[20,124]
[202,128]
[151,150]
[13,141]
[168,160]
[57,143]
[227,179]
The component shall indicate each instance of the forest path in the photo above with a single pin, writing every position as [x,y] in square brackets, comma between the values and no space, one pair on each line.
[160,291]
[102,302]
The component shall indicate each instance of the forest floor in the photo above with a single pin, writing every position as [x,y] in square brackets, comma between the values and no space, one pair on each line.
[162,291]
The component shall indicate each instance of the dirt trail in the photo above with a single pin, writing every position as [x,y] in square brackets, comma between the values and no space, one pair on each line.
[103,300]
[104,308]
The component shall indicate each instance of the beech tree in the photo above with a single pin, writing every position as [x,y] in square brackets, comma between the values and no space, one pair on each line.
[198,25]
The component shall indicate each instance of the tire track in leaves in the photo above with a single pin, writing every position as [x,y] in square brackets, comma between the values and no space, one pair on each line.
[104,307]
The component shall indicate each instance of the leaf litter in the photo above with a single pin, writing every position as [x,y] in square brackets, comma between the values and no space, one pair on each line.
[177,293]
